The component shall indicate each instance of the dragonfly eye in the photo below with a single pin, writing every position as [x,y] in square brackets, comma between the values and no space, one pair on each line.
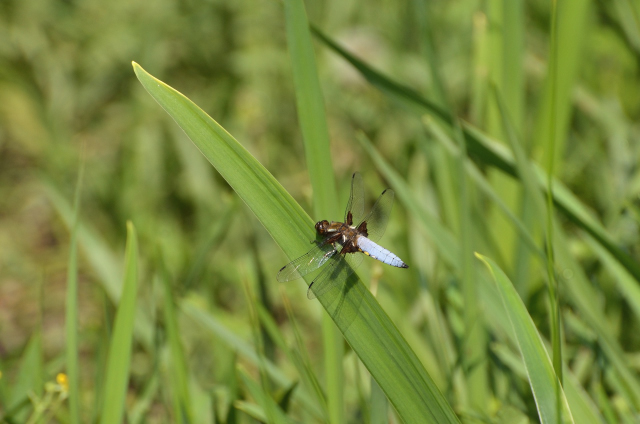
[321,226]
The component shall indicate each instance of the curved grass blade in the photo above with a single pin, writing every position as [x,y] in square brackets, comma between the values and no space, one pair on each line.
[544,383]
[119,359]
[365,326]
[583,407]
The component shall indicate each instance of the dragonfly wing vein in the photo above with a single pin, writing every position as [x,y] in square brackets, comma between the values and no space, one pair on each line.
[356,199]
[334,274]
[307,263]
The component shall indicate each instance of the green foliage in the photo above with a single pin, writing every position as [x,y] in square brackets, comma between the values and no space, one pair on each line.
[119,357]
[472,112]
[545,385]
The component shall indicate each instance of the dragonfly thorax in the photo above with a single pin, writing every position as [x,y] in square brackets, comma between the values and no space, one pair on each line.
[337,232]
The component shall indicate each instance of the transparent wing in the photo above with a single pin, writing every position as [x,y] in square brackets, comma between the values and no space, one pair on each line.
[379,216]
[310,261]
[336,273]
[356,199]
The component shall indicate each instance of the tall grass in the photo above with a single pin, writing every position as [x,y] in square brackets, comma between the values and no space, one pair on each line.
[506,130]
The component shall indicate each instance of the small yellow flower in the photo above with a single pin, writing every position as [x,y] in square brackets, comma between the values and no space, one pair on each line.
[63,381]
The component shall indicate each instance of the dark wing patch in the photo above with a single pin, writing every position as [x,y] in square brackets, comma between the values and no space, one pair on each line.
[356,200]
[376,221]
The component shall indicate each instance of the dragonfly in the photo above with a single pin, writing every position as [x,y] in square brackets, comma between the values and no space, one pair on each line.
[343,245]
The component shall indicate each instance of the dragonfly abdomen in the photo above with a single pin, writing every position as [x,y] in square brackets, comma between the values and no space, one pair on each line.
[372,249]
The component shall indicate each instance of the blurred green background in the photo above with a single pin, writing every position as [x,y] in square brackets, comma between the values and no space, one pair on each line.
[68,96]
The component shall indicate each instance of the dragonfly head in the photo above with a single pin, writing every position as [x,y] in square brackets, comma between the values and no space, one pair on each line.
[322,227]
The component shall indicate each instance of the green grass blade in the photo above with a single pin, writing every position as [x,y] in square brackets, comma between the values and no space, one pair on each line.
[512,88]
[496,155]
[311,113]
[627,286]
[296,357]
[587,301]
[119,359]
[71,312]
[534,198]
[498,63]
[266,402]
[604,403]
[398,91]
[512,85]
[379,405]
[313,122]
[178,364]
[496,68]
[554,302]
[478,101]
[542,378]
[365,326]
[475,361]
[228,337]
[573,18]
[251,409]
[628,13]
[265,392]
[573,208]
[29,381]
[303,358]
[583,407]
[422,14]
[481,182]
[138,412]
[102,259]
[216,232]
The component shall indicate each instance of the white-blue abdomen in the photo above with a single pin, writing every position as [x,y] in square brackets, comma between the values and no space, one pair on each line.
[380,253]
